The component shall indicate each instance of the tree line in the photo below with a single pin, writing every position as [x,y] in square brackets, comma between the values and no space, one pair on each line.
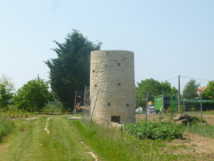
[70,72]
[191,90]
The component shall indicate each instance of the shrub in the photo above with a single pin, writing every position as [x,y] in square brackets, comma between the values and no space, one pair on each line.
[6,126]
[192,108]
[198,120]
[182,109]
[153,130]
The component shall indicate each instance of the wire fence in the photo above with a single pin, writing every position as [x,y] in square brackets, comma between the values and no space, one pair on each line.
[88,111]
[192,107]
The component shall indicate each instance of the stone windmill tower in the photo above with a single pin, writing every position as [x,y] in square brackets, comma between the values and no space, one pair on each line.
[112,86]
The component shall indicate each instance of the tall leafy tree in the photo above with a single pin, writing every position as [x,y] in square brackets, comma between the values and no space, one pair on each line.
[190,89]
[34,94]
[8,83]
[154,88]
[166,88]
[209,91]
[70,70]
[5,96]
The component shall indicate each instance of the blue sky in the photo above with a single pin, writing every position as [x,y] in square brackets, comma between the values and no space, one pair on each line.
[169,37]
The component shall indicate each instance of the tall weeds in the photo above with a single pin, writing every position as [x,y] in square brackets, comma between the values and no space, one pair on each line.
[202,130]
[6,126]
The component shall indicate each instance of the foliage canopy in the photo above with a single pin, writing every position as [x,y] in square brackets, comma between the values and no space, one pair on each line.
[70,70]
[8,83]
[209,91]
[5,96]
[190,89]
[6,89]
[34,94]
[154,88]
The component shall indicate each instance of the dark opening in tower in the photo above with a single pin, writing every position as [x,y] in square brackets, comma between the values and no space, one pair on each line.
[115,119]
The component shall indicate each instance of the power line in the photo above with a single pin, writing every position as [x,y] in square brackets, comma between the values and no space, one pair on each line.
[197,78]
[171,78]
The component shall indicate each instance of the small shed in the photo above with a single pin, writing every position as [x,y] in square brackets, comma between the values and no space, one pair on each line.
[165,102]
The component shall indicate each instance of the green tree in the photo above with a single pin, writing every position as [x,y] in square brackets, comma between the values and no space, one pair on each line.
[154,88]
[5,96]
[166,88]
[70,70]
[8,83]
[209,91]
[174,91]
[190,89]
[34,94]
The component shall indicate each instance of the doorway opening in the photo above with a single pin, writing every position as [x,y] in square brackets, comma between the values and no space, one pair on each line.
[115,119]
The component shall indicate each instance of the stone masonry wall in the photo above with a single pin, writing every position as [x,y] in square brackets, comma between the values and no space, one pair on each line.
[112,73]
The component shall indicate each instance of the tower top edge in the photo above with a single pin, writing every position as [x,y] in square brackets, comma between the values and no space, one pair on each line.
[112,51]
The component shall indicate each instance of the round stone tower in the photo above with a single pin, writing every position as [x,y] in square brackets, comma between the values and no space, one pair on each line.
[112,86]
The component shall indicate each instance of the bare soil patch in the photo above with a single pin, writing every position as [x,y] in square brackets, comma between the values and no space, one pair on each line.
[198,147]
[209,119]
[150,117]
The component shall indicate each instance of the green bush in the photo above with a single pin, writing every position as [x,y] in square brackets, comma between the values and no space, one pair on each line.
[51,109]
[182,109]
[6,126]
[198,120]
[153,130]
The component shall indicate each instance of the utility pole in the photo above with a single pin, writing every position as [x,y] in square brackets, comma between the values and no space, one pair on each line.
[147,98]
[201,103]
[184,104]
[178,93]
[75,101]
[84,101]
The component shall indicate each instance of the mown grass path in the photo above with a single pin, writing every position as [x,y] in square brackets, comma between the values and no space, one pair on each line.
[31,142]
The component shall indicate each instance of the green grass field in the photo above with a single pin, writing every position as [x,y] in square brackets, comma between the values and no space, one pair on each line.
[58,138]
[31,142]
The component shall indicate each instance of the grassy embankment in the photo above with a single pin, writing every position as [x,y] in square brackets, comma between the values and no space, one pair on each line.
[69,139]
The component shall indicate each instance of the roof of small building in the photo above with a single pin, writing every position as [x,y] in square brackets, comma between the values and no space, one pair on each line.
[201,88]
